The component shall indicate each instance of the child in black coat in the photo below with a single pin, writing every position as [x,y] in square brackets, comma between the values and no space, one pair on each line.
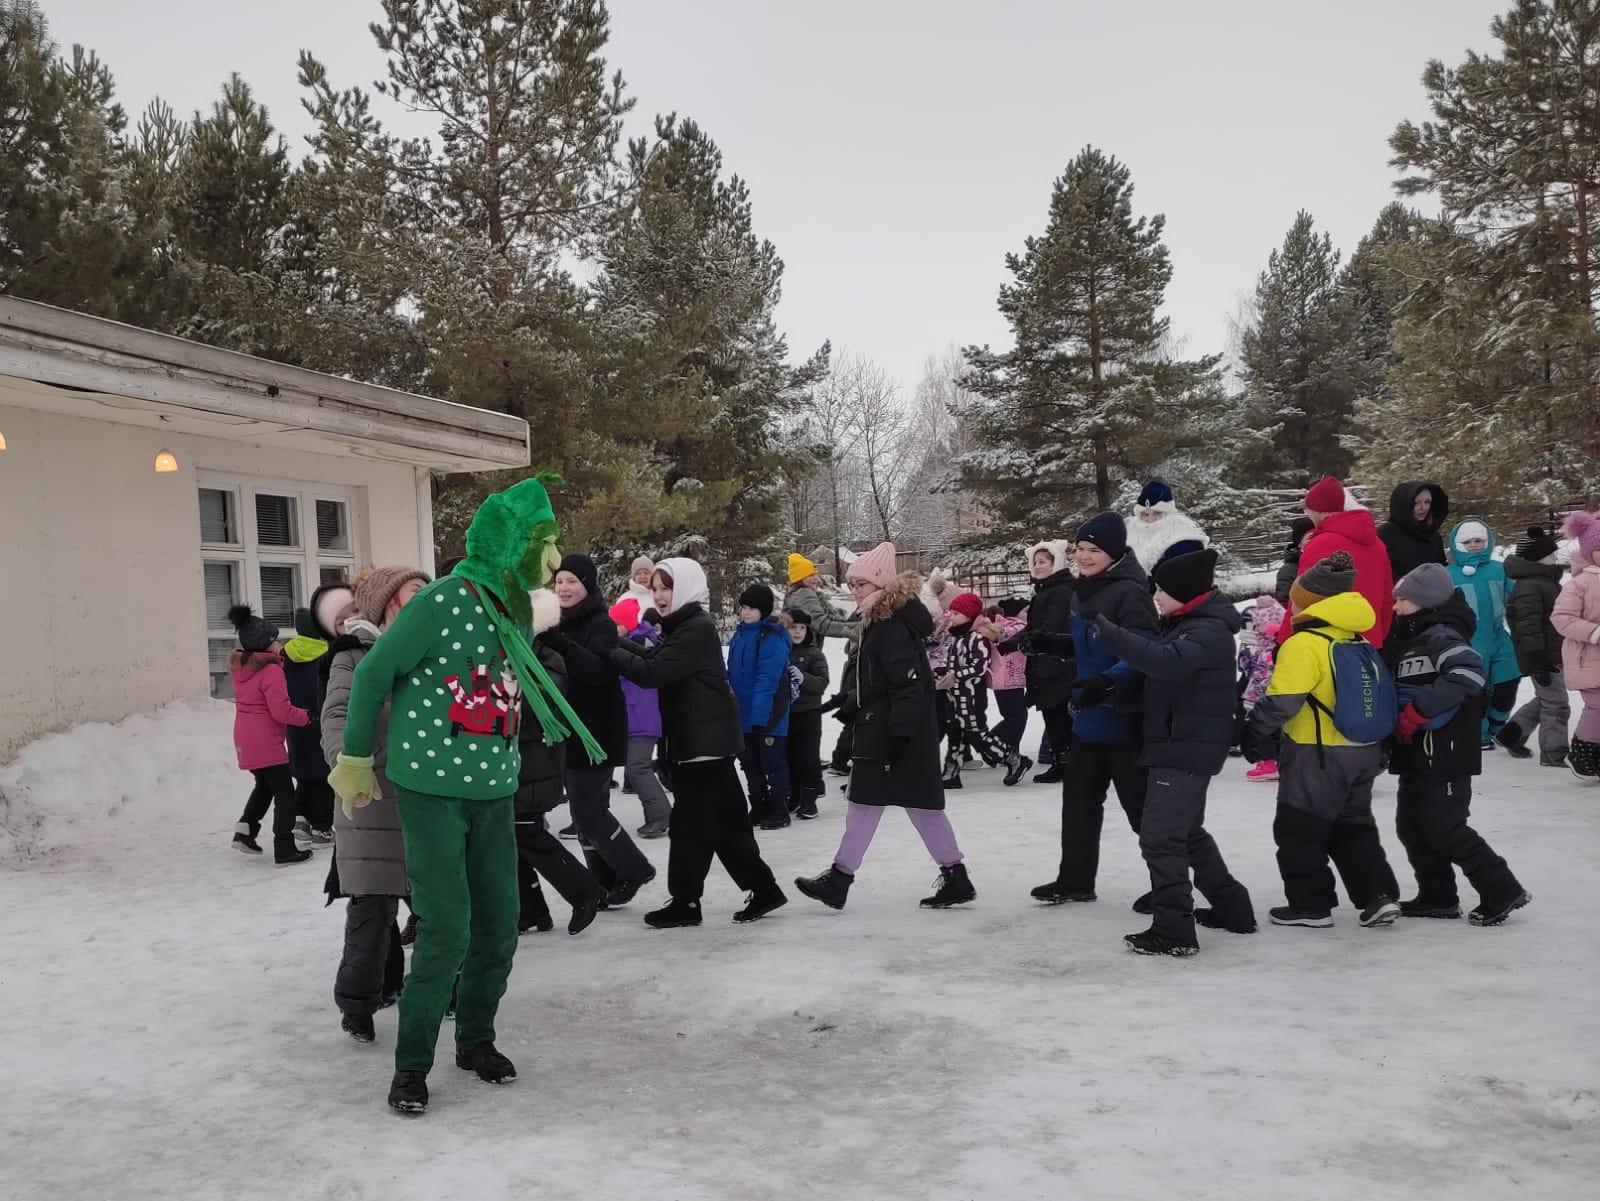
[1437,751]
[804,746]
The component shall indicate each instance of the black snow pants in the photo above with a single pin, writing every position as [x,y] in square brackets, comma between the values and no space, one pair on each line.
[1174,841]
[1092,769]
[373,965]
[1325,811]
[711,819]
[1431,819]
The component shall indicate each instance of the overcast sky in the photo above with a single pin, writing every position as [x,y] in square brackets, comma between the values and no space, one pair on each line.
[896,151]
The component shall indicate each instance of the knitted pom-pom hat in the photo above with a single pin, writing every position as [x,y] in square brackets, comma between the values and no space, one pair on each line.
[1585,527]
[877,567]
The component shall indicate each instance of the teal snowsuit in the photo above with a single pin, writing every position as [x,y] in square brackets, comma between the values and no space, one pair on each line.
[1482,580]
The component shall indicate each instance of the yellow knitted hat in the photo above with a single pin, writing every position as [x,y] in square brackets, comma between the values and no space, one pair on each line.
[800,568]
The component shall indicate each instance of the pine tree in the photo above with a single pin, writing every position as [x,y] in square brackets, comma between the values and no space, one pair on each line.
[1514,156]
[1084,399]
[1302,360]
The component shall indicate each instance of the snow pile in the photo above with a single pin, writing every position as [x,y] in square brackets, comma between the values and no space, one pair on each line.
[104,786]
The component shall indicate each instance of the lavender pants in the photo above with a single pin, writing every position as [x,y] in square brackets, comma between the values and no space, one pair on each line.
[861,823]
[1589,722]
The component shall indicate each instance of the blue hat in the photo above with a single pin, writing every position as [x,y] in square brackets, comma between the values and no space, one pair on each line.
[1108,532]
[1183,546]
[1156,492]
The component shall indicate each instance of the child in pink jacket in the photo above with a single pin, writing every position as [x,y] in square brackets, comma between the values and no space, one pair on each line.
[262,714]
[1577,619]
[1257,651]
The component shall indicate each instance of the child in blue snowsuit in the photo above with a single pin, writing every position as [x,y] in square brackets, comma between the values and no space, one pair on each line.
[1482,580]
[758,669]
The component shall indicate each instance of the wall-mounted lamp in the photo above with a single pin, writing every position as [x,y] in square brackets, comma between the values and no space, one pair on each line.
[166,462]
[2,441]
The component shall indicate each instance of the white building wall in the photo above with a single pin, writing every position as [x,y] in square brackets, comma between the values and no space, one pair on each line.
[101,597]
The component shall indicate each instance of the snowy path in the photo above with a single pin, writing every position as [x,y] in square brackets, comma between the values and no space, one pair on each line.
[168,1029]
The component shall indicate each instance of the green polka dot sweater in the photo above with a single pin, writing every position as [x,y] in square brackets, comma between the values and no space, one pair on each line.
[453,721]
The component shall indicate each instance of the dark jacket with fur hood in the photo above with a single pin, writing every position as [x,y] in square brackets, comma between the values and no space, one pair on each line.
[896,756]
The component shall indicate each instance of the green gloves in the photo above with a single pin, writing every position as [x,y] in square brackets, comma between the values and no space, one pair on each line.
[354,782]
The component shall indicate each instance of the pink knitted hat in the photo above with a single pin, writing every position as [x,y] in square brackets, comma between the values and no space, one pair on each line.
[1585,527]
[876,567]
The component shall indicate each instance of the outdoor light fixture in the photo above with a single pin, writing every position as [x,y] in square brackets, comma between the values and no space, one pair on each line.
[166,462]
[2,441]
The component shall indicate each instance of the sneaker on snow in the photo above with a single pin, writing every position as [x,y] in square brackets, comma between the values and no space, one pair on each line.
[807,809]
[583,913]
[1285,915]
[1488,914]
[759,904]
[952,888]
[1212,920]
[1422,907]
[1144,905]
[283,856]
[831,887]
[1488,744]
[1016,767]
[674,915]
[539,925]
[245,841]
[1512,740]
[1148,942]
[1054,893]
[1050,775]
[491,1066]
[1382,912]
[359,1027]
[626,891]
[1263,772]
[652,830]
[408,1092]
[775,821]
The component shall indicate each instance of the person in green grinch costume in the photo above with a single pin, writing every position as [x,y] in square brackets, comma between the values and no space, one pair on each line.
[458,663]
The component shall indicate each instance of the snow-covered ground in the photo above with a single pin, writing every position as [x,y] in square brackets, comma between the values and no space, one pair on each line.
[169,1032]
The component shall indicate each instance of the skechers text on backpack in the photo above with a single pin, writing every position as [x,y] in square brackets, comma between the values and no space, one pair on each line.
[1365,701]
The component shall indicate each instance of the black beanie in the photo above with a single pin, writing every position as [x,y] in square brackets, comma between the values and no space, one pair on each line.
[1185,577]
[583,567]
[1538,544]
[1299,528]
[799,616]
[1108,532]
[255,633]
[758,596]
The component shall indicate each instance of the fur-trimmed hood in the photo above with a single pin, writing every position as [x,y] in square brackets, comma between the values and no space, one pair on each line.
[903,592]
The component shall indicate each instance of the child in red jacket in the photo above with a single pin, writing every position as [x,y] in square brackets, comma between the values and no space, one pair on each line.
[262,714]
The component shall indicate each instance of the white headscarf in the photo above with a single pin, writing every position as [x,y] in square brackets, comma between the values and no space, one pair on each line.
[688,583]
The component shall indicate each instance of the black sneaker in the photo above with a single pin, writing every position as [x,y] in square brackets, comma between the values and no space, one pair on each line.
[776,821]
[1488,914]
[1211,920]
[283,856]
[832,887]
[1286,915]
[1017,767]
[408,1092]
[1054,893]
[626,891]
[759,904]
[951,783]
[1148,942]
[1050,775]
[807,809]
[583,913]
[674,915]
[491,1066]
[359,1027]
[541,925]
[652,830]
[953,888]
[1511,740]
[1422,907]
[245,841]
[1384,911]
[1144,905]
[568,832]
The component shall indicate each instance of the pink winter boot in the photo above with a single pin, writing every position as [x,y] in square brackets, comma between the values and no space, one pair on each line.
[1266,770]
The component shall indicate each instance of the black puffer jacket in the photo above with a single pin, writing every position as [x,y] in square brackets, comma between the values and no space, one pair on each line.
[1050,671]
[585,639]
[808,658]
[699,713]
[896,752]
[1436,669]
[539,787]
[1534,588]
[1191,682]
[1411,544]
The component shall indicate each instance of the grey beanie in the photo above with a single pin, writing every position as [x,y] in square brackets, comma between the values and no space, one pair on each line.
[1427,586]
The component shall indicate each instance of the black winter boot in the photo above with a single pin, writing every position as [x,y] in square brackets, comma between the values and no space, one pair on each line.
[1055,893]
[1244,923]
[954,888]
[1148,942]
[285,852]
[1017,766]
[626,891]
[674,915]
[761,902]
[1584,760]
[1492,913]
[244,839]
[491,1066]
[1050,775]
[1423,907]
[831,887]
[583,913]
[408,1092]
[1513,741]
[359,1027]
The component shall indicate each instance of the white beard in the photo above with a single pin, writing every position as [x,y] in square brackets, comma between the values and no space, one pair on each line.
[1148,540]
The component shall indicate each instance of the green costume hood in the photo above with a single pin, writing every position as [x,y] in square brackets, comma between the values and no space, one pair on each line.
[511,550]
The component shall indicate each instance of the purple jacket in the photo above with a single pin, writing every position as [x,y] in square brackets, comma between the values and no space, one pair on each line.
[644,711]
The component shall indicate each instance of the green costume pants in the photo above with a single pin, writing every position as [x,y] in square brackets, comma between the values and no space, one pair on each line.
[462,860]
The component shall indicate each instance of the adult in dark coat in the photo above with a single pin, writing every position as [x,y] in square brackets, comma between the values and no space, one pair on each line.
[897,734]
[1190,678]
[1535,584]
[1049,664]
[1417,512]
[1299,529]
[700,723]
[539,852]
[584,639]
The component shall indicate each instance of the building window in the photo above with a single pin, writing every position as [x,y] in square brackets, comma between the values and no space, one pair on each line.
[294,538]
